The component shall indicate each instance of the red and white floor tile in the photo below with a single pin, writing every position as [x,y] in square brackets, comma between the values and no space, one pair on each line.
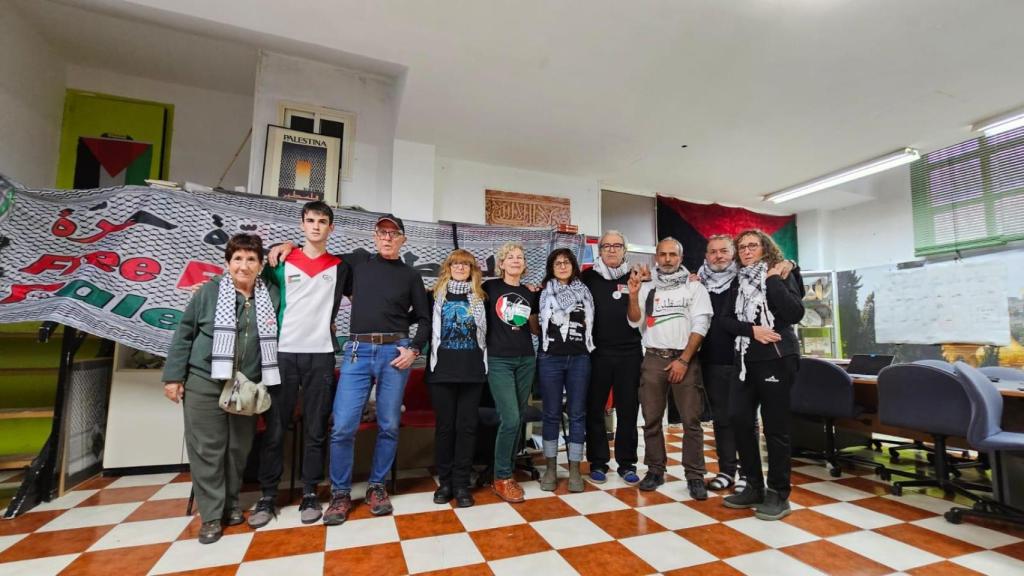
[847,526]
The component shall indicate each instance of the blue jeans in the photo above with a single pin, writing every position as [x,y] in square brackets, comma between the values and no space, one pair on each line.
[362,364]
[571,374]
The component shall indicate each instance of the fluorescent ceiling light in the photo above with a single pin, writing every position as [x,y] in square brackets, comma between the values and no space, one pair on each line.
[874,166]
[1000,124]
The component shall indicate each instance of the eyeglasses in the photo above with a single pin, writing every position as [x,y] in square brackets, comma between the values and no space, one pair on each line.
[612,246]
[562,263]
[388,233]
[751,246]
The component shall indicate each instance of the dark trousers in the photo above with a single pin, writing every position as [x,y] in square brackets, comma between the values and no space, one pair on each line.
[654,388]
[217,444]
[313,374]
[718,382]
[456,405]
[621,376]
[767,385]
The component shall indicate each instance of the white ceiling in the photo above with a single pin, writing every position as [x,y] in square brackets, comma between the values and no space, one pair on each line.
[764,93]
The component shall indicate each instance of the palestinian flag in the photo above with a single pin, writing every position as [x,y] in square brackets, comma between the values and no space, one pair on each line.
[692,224]
[107,162]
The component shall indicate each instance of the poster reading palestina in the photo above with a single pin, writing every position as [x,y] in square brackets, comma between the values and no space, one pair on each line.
[120,262]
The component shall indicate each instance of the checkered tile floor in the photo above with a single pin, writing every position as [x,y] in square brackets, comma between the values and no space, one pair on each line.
[136,525]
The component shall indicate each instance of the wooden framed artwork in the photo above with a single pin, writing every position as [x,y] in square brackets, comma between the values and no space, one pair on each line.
[527,210]
[301,166]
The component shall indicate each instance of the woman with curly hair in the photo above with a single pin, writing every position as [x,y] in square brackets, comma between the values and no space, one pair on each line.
[767,370]
[457,372]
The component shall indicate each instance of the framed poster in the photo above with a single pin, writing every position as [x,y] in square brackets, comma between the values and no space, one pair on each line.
[300,165]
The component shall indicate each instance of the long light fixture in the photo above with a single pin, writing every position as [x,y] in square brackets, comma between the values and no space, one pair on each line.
[874,166]
[1000,124]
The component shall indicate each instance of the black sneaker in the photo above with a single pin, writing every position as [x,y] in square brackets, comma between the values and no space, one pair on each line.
[464,498]
[443,494]
[651,482]
[263,513]
[698,491]
[749,498]
[774,507]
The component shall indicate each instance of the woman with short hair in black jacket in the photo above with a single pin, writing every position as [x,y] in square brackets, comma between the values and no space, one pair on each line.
[762,309]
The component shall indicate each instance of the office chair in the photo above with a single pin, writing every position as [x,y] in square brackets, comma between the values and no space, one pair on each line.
[825,391]
[985,434]
[929,399]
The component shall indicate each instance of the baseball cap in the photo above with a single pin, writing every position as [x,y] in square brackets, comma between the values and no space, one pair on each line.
[394,220]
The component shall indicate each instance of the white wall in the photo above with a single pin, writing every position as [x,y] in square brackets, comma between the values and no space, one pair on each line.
[371,98]
[32,101]
[209,126]
[412,181]
[460,185]
[874,233]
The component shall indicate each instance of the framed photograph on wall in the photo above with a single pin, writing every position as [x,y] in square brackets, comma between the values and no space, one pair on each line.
[300,165]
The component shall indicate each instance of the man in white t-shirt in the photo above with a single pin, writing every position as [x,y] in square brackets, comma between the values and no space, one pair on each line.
[673,315]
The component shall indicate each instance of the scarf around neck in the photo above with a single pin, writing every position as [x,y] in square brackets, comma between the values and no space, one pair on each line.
[225,323]
[752,306]
[557,300]
[476,307]
[664,281]
[717,281]
[611,273]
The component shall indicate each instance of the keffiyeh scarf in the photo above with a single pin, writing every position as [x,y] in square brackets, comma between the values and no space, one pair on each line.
[663,281]
[611,273]
[557,300]
[225,324]
[717,281]
[476,306]
[751,304]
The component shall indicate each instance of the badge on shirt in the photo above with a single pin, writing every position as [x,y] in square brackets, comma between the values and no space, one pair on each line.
[293,278]
[620,289]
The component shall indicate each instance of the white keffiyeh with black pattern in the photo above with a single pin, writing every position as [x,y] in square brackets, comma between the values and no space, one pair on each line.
[752,305]
[557,301]
[225,323]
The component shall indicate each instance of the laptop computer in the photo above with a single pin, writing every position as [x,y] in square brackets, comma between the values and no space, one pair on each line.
[868,364]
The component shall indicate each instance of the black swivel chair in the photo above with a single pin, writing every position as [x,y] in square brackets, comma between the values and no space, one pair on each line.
[825,391]
[928,399]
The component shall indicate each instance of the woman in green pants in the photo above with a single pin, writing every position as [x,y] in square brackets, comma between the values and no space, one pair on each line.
[229,325]
[511,319]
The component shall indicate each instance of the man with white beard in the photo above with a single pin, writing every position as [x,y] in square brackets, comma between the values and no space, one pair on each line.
[673,314]
[718,355]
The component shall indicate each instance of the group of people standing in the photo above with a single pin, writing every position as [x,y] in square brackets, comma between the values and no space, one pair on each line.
[627,330]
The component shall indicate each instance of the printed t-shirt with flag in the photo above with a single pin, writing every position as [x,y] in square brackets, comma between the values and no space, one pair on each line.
[671,319]
[692,224]
[311,292]
[508,313]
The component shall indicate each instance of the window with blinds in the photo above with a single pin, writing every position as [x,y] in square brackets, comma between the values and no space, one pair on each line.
[970,195]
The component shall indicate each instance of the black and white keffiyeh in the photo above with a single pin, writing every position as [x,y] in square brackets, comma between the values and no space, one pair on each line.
[752,305]
[611,273]
[717,281]
[663,281]
[476,307]
[557,301]
[225,324]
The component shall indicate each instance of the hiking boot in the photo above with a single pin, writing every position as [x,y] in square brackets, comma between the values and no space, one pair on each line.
[629,477]
[309,510]
[263,513]
[233,517]
[337,510]
[378,501]
[508,490]
[549,480]
[575,478]
[651,482]
[464,498]
[443,494]
[774,507]
[749,498]
[597,476]
[210,532]
[697,489]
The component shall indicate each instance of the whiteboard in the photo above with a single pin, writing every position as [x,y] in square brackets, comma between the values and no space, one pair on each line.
[953,302]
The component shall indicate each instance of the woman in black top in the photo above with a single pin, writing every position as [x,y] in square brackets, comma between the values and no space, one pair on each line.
[566,319]
[768,366]
[458,370]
